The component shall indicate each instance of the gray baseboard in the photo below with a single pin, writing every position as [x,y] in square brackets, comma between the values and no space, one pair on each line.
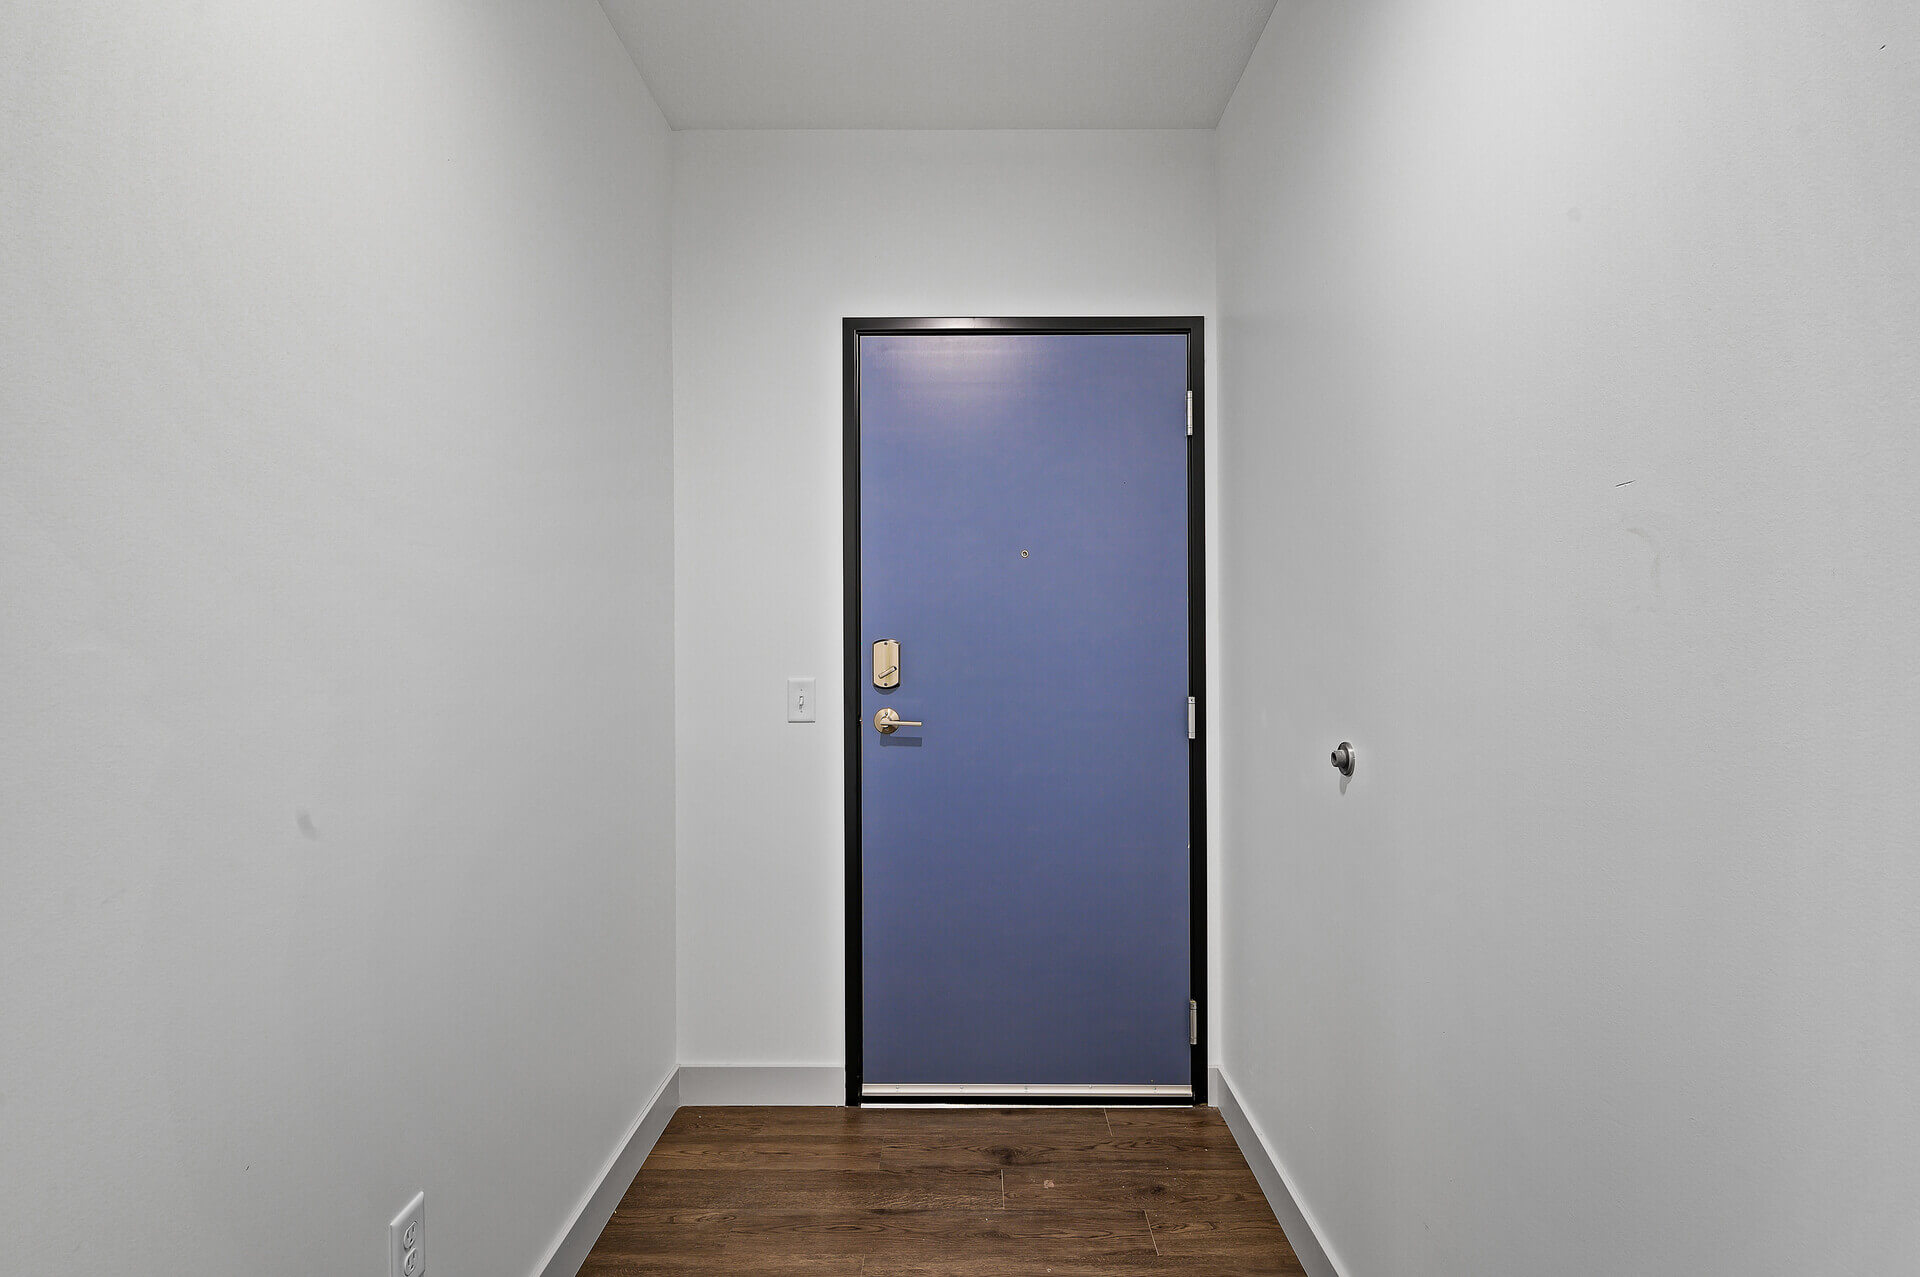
[1315,1257]
[762,1084]
[577,1239]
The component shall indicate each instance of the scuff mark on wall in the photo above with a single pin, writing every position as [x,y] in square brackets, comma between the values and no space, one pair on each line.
[1656,598]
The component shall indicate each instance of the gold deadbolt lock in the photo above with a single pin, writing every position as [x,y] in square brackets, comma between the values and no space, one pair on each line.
[886,663]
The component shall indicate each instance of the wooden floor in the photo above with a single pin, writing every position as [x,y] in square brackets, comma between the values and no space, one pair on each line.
[1071,1192]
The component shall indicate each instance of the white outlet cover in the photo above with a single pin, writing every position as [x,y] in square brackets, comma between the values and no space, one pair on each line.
[409,1226]
[800,706]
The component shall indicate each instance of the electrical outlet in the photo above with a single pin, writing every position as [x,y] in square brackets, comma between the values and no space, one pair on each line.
[800,700]
[407,1240]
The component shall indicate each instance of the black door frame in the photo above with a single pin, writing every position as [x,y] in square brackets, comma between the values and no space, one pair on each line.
[1194,328]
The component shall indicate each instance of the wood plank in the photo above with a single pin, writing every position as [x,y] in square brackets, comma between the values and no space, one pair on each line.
[1073,1123]
[1188,1127]
[1000,1155]
[824,1152]
[716,1265]
[930,1233]
[995,1266]
[1164,1117]
[1230,1191]
[1195,1232]
[1015,1238]
[1050,1266]
[787,1190]
[981,1151]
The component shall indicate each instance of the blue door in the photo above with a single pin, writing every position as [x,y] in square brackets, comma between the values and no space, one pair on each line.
[1024,861]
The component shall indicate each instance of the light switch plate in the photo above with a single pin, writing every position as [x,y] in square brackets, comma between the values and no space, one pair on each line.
[800,700]
[407,1240]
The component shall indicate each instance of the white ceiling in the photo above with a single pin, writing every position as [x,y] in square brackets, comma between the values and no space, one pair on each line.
[940,64]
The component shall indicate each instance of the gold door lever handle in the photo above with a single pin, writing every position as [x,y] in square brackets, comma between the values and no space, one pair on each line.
[887,722]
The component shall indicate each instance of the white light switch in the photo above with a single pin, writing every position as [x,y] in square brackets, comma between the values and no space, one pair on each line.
[799,700]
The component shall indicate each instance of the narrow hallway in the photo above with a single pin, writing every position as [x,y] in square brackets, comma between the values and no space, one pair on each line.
[755,637]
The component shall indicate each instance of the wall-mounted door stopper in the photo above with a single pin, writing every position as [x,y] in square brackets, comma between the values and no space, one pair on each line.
[1343,758]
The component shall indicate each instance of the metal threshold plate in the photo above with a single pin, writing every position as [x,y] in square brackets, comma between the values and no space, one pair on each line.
[880,1089]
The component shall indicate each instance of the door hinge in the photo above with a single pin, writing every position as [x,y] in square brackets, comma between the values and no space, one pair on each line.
[1193,718]
[1193,1022]
[1189,413]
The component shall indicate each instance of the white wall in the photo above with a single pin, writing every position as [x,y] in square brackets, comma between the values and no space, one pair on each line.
[778,237]
[1570,368]
[335,755]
